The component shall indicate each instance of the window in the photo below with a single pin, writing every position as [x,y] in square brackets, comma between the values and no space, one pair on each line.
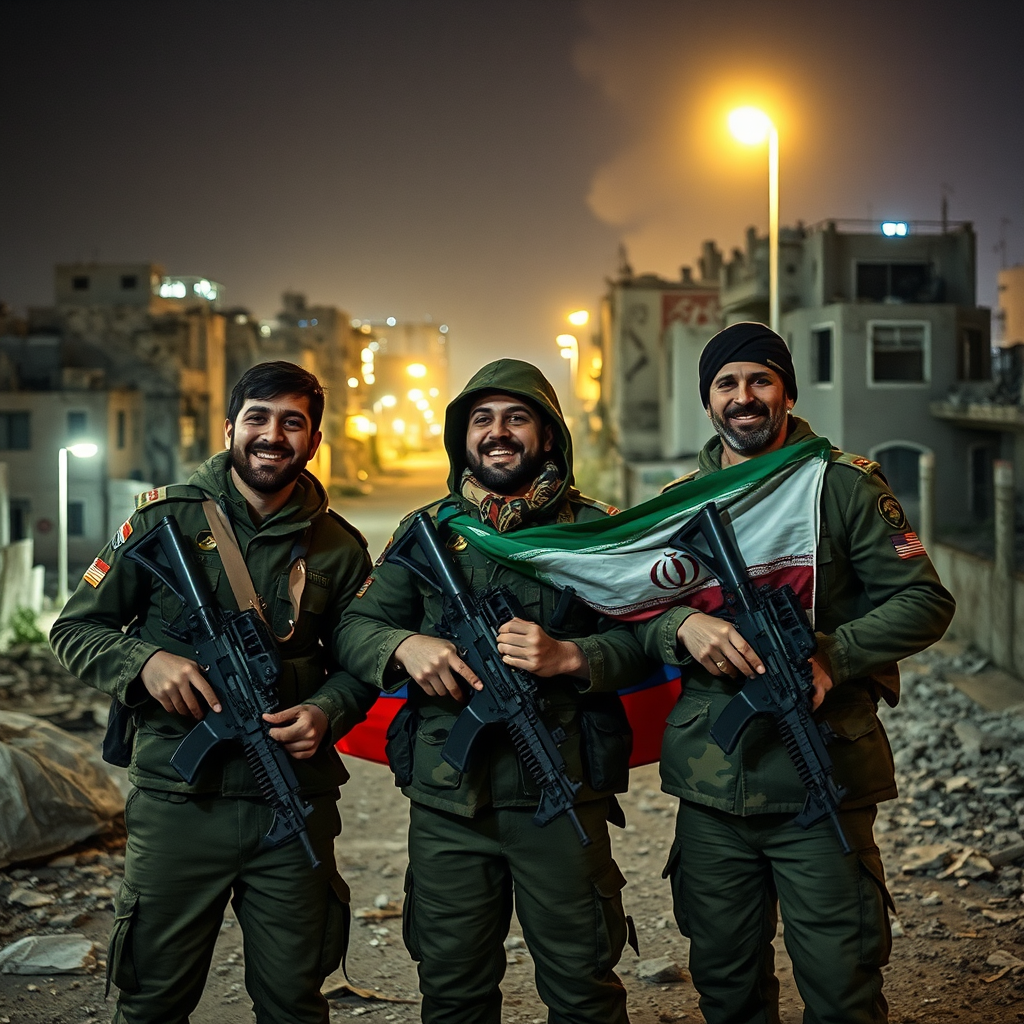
[20,511]
[15,435]
[821,355]
[121,428]
[129,282]
[972,355]
[76,518]
[901,468]
[908,282]
[78,425]
[80,283]
[897,353]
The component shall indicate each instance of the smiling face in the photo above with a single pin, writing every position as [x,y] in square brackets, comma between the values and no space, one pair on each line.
[507,443]
[271,441]
[749,407]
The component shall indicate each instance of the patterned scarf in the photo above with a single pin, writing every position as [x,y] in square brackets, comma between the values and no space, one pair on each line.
[506,512]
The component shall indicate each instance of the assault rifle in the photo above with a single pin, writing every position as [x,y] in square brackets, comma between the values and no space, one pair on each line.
[774,623]
[238,656]
[509,695]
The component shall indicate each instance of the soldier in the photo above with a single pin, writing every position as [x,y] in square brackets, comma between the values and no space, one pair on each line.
[737,851]
[192,847]
[473,846]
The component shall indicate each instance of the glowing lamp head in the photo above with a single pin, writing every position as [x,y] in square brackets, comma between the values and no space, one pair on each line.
[85,450]
[566,341]
[895,228]
[750,125]
[578,318]
[416,370]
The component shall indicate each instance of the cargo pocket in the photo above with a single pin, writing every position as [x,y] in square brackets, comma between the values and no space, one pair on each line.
[408,922]
[121,968]
[607,744]
[672,873]
[337,924]
[875,906]
[401,737]
[612,929]
[429,768]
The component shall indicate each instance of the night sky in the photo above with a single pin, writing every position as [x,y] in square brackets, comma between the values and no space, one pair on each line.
[481,161]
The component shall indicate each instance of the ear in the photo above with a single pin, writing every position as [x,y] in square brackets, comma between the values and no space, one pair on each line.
[314,444]
[228,430]
[549,437]
[790,402]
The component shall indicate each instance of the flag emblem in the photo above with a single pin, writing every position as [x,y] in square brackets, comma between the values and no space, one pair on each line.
[908,545]
[95,573]
[121,534]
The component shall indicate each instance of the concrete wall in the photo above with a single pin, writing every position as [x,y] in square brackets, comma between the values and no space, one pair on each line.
[970,580]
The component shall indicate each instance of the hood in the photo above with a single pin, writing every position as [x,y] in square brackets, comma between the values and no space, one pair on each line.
[513,377]
[308,500]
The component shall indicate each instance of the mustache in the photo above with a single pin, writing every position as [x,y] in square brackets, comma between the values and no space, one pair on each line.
[489,446]
[264,446]
[755,406]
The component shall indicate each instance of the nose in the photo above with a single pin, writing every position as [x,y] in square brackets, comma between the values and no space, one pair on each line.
[743,394]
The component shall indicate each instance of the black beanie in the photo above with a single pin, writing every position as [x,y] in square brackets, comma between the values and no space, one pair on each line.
[745,343]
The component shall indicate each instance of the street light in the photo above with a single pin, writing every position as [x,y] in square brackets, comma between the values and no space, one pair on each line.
[751,127]
[570,349]
[84,450]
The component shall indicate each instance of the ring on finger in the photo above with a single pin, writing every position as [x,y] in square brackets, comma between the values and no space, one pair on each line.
[720,664]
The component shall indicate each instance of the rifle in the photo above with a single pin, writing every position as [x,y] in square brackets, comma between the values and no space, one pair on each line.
[509,695]
[238,655]
[774,623]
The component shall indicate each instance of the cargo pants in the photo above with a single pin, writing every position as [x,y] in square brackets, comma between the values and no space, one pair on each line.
[464,875]
[186,857]
[731,874]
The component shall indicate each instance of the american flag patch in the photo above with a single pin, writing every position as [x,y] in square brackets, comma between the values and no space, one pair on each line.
[907,545]
[95,573]
[123,532]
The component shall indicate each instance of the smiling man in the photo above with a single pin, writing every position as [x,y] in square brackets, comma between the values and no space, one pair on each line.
[193,846]
[474,848]
[738,853]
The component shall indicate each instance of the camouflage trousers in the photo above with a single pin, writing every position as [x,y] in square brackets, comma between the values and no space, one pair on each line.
[186,857]
[731,874]
[465,873]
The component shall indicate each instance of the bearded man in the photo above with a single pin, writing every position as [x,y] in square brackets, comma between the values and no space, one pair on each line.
[192,846]
[474,848]
[738,854]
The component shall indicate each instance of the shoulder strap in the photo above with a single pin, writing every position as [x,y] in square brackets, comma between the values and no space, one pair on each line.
[238,574]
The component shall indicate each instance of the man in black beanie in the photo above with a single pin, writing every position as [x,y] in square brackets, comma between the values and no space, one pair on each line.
[738,854]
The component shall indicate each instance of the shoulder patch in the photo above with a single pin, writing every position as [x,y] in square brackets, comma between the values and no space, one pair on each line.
[892,511]
[96,572]
[180,492]
[121,534]
[379,561]
[610,510]
[866,466]
[684,479]
[908,545]
[150,497]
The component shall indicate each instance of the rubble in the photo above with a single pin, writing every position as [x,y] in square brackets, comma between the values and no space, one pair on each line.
[661,971]
[49,954]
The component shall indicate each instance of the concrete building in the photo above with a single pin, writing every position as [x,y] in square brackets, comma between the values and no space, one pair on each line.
[1010,316]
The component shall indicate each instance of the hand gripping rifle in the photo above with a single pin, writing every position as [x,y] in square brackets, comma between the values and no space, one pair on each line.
[238,656]
[774,623]
[509,695]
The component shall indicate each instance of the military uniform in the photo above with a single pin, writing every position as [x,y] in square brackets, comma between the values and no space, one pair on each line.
[878,599]
[191,846]
[472,844]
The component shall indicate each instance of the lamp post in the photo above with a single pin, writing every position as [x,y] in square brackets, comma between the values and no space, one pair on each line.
[751,127]
[85,450]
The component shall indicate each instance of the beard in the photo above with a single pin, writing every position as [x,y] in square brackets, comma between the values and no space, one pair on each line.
[265,479]
[506,479]
[750,441]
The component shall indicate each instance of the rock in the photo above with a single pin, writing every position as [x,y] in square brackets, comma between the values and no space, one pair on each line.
[1015,851]
[896,927]
[959,782]
[971,739]
[29,898]
[933,899]
[661,971]
[49,954]
[381,901]
[1003,958]
[929,857]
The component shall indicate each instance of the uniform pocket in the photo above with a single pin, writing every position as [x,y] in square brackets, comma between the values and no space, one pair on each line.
[401,738]
[121,967]
[337,926]
[610,917]
[429,768]
[607,743]
[875,930]
[408,918]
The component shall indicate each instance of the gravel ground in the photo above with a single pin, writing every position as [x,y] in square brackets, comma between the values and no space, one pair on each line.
[952,845]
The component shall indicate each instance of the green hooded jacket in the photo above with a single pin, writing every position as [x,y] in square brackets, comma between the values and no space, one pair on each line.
[872,607]
[393,604]
[119,617]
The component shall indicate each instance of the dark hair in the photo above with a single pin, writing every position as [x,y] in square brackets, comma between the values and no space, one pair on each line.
[273,380]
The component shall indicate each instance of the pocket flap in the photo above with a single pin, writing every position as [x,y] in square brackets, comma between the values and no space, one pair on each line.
[610,881]
[854,721]
[688,709]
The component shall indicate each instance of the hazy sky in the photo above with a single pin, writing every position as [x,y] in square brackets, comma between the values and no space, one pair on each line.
[481,161]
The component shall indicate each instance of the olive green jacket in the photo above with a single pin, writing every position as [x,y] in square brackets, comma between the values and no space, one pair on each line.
[90,638]
[872,608]
[394,604]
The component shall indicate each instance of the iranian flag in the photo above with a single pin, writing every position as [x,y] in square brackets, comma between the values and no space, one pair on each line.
[624,566]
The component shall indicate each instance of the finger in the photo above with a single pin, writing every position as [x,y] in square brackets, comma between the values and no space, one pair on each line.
[749,655]
[459,666]
[516,626]
[209,694]
[188,698]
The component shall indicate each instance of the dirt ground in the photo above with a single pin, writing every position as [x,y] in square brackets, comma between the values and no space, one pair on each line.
[940,970]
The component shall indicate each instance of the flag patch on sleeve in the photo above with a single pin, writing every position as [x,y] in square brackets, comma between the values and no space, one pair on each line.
[95,573]
[908,545]
[121,534]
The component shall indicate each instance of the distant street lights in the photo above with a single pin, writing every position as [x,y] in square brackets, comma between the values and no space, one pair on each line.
[751,127]
[85,450]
